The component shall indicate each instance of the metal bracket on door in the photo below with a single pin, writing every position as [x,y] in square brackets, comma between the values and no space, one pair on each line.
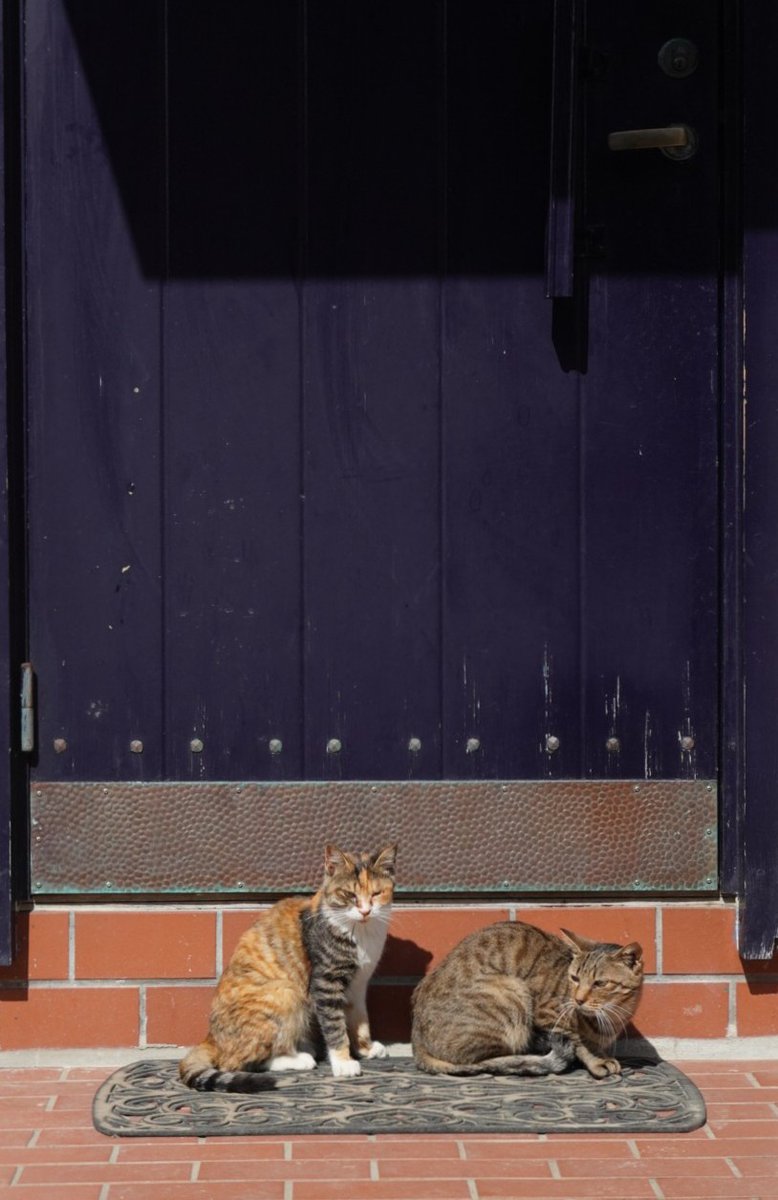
[27,697]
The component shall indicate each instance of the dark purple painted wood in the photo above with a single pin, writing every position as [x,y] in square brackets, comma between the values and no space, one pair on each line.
[560,261]
[759,913]
[93,82]
[8,584]
[650,407]
[732,299]
[232,562]
[360,494]
[510,424]
[371,343]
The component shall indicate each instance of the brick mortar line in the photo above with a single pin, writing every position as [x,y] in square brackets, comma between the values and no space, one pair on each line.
[71,945]
[378,981]
[143,1018]
[219,947]
[732,1009]
[178,907]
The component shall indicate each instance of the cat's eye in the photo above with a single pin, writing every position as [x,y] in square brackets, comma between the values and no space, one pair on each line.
[375,894]
[575,978]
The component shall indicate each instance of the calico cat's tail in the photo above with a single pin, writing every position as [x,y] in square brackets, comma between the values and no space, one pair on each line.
[197,1071]
[507,1064]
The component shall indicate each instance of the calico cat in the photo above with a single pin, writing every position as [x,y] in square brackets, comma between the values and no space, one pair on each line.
[301,969]
[513,1000]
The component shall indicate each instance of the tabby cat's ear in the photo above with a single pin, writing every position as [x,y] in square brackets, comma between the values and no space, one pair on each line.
[578,941]
[335,858]
[632,955]
[385,859]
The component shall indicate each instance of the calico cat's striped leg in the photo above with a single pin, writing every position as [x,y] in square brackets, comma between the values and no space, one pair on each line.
[328,992]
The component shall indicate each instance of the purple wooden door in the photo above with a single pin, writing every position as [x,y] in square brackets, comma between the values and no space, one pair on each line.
[340,525]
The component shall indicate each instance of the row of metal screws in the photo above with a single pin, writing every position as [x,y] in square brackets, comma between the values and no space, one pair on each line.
[334,745]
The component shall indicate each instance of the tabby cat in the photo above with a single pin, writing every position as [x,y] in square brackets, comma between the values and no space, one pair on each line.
[300,971]
[513,1000]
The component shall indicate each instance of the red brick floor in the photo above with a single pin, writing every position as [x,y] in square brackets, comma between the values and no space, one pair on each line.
[50,1151]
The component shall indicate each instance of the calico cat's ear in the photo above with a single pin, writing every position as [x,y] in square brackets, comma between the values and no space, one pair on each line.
[385,859]
[631,955]
[578,941]
[335,859]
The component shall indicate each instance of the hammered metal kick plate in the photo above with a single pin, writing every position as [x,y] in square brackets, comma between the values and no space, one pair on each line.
[455,836]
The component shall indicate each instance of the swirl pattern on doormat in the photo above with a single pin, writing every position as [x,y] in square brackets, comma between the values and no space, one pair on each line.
[391,1096]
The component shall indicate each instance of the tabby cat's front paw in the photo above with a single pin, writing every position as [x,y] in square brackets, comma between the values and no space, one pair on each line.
[604,1067]
[376,1050]
[345,1068]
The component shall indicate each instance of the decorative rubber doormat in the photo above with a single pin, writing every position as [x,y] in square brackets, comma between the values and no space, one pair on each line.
[392,1096]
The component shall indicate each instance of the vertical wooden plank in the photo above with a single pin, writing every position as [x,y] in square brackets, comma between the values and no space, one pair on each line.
[232,392]
[371,354]
[510,416]
[94,253]
[650,408]
[9,117]
[759,912]
[732,443]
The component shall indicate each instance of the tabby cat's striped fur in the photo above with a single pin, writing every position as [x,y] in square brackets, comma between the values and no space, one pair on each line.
[514,1000]
[301,970]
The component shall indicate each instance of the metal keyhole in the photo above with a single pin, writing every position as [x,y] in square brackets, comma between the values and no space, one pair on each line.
[678,58]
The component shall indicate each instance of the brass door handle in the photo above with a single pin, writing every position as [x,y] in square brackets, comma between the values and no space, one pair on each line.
[677,141]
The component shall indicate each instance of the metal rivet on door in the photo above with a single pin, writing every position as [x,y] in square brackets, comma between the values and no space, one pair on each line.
[136,746]
[552,743]
[687,743]
[196,746]
[275,745]
[472,745]
[414,745]
[613,745]
[60,745]
[334,746]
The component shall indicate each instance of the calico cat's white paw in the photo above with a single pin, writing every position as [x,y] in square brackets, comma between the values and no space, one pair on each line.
[345,1068]
[292,1062]
[377,1050]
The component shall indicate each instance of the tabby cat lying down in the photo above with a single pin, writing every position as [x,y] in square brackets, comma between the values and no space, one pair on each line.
[513,1000]
[305,962]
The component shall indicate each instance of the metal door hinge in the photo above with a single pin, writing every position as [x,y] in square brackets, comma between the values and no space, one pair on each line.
[28,708]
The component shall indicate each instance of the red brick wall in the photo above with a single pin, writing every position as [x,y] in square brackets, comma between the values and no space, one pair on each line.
[136,976]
